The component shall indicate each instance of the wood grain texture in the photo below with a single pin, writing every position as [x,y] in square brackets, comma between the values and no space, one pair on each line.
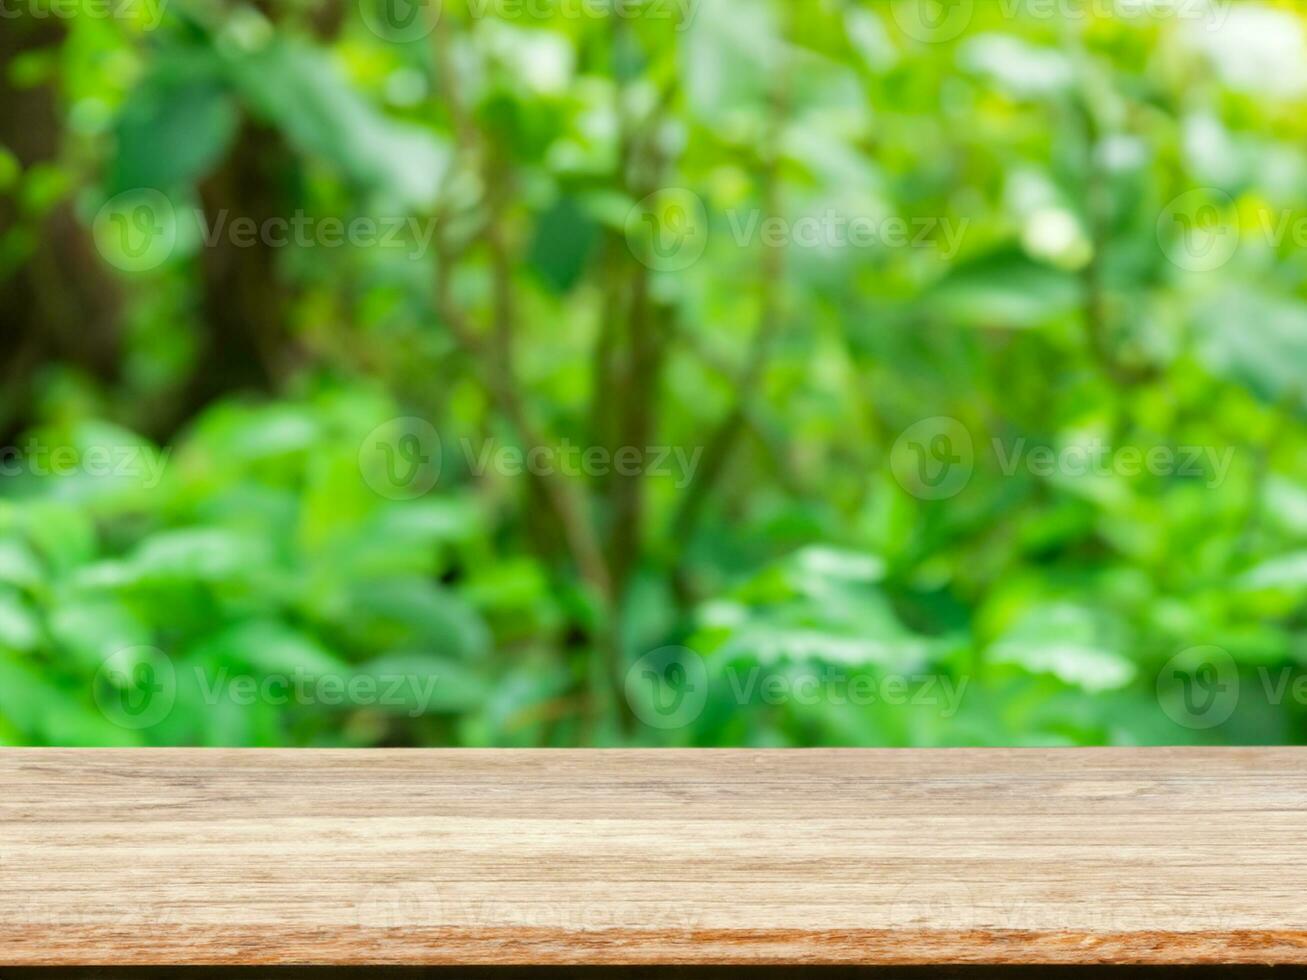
[182,856]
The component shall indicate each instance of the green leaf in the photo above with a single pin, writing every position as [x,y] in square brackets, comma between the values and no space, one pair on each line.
[19,627]
[1079,647]
[410,613]
[422,683]
[839,564]
[1255,338]
[90,629]
[1023,69]
[298,89]
[1284,572]
[268,647]
[177,126]
[64,534]
[196,554]
[565,236]
[1004,290]
[47,715]
[730,53]
[19,566]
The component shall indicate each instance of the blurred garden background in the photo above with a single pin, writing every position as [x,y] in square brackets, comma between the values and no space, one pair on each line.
[653,372]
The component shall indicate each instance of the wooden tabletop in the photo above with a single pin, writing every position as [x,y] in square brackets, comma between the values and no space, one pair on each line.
[197,857]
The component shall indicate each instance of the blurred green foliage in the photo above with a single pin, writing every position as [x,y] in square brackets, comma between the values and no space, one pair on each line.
[537,225]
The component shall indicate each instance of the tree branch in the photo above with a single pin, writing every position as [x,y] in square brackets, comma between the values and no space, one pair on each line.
[771,272]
